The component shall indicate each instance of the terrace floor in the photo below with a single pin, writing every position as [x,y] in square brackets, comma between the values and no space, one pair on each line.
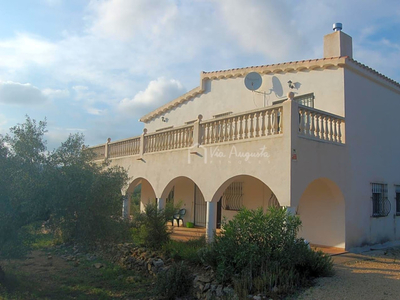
[185,234]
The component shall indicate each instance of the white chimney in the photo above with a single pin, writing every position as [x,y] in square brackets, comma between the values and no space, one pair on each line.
[338,43]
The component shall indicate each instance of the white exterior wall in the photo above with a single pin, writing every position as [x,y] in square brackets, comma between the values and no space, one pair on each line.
[231,95]
[372,128]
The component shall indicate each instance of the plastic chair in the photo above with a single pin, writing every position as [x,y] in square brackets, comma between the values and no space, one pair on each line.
[179,216]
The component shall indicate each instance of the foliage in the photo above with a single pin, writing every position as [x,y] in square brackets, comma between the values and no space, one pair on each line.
[81,199]
[22,186]
[175,282]
[259,252]
[154,231]
[187,251]
[87,201]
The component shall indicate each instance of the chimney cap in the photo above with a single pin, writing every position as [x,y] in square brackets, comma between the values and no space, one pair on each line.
[337,26]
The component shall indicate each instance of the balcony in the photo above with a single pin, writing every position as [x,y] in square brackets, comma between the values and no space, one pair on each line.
[309,123]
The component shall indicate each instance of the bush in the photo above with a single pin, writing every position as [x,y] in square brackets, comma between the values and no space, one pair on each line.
[175,282]
[187,251]
[260,252]
[154,231]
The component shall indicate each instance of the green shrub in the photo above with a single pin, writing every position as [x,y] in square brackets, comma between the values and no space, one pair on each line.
[187,251]
[154,232]
[175,282]
[259,252]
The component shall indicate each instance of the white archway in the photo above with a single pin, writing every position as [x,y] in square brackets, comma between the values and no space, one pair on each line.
[322,212]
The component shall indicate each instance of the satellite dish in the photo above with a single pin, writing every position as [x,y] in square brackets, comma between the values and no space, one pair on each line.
[253,81]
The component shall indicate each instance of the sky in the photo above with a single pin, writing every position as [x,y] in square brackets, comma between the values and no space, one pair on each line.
[97,66]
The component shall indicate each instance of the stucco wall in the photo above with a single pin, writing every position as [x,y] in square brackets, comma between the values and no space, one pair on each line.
[231,95]
[372,127]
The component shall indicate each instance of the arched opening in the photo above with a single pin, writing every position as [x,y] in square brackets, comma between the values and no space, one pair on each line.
[183,193]
[322,212]
[140,193]
[242,191]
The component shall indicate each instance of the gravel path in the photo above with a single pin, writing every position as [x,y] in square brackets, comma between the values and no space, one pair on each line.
[371,275]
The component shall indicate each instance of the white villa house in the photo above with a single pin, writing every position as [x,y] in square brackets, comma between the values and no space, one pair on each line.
[319,137]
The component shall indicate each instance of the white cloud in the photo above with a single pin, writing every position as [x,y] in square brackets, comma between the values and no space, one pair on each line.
[51,93]
[264,27]
[157,93]
[20,93]
[24,50]
[124,19]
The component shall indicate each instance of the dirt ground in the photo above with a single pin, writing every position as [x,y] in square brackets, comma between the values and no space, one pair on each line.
[371,275]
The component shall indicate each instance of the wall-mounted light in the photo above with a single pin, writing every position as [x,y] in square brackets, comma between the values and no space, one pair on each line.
[291,84]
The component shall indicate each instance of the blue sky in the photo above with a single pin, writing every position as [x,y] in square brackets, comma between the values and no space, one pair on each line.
[97,66]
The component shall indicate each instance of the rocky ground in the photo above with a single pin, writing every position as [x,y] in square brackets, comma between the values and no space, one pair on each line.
[371,275]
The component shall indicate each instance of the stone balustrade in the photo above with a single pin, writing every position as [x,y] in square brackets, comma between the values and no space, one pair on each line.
[125,147]
[99,152]
[175,138]
[254,124]
[320,125]
[268,121]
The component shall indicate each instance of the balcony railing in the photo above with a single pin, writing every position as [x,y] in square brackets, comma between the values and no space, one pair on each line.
[320,125]
[268,121]
[263,122]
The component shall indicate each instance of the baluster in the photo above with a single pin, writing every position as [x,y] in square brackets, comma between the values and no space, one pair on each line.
[335,130]
[217,131]
[275,121]
[322,132]
[326,128]
[330,129]
[212,127]
[161,142]
[317,119]
[235,129]
[301,121]
[280,110]
[182,138]
[339,131]
[206,133]
[257,124]
[307,119]
[188,137]
[246,131]
[224,130]
[251,125]
[240,128]
[262,123]
[312,127]
[178,139]
[231,134]
[269,116]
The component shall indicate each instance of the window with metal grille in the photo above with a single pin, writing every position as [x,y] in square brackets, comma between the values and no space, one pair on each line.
[232,199]
[398,200]
[306,100]
[380,202]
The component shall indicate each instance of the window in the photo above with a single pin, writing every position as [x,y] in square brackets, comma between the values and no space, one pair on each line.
[232,199]
[380,203]
[305,100]
[397,200]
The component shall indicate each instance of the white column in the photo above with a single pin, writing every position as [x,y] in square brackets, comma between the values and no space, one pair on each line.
[211,221]
[160,203]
